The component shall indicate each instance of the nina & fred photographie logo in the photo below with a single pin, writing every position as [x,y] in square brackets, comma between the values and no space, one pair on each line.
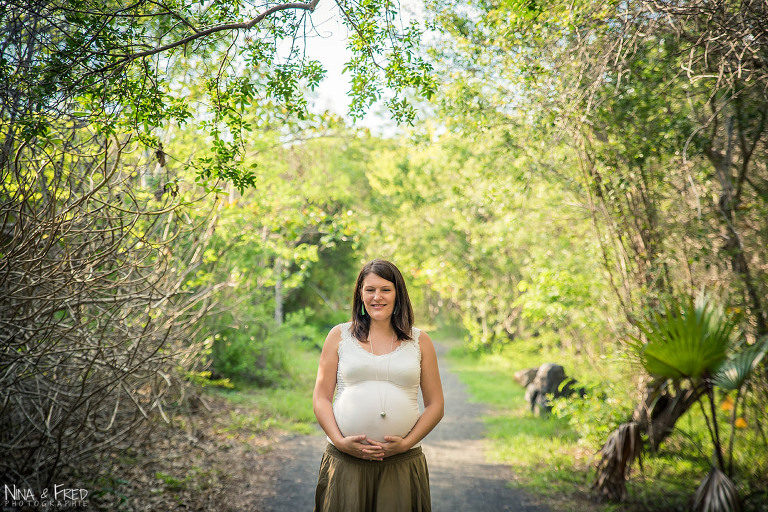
[56,497]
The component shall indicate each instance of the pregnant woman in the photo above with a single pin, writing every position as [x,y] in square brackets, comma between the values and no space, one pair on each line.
[376,364]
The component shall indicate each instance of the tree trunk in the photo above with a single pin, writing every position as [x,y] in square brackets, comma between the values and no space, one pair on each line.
[278,291]
[660,408]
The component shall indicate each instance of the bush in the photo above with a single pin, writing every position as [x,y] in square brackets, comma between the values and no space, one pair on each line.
[309,328]
[597,414]
[247,355]
[322,322]
[260,354]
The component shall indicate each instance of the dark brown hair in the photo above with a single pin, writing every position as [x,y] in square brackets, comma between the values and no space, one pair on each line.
[402,315]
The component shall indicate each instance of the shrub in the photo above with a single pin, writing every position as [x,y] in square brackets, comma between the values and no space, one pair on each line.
[247,354]
[260,354]
[597,414]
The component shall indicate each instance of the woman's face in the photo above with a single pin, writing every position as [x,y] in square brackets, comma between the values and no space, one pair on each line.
[378,296]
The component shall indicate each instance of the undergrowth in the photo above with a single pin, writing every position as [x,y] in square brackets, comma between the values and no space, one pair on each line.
[555,455]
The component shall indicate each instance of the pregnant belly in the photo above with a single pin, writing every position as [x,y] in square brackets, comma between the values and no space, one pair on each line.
[358,410]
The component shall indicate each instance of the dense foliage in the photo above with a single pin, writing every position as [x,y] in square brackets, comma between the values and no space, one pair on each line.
[659,112]
[173,212]
[127,130]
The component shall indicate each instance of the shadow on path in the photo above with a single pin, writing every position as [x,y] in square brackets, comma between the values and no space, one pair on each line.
[460,478]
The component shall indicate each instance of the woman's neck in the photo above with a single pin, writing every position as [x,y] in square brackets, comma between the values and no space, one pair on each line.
[380,328]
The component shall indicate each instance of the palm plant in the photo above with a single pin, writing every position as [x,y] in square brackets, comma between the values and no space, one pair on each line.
[690,346]
[689,341]
[733,376]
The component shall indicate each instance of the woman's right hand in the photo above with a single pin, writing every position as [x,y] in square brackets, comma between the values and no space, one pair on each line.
[357,446]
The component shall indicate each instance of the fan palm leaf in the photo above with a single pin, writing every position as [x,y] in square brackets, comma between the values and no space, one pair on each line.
[689,340]
[737,370]
[623,446]
[733,375]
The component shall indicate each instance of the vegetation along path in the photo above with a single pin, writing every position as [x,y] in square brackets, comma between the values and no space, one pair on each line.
[461,479]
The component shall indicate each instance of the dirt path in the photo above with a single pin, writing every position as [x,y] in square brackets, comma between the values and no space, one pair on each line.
[460,478]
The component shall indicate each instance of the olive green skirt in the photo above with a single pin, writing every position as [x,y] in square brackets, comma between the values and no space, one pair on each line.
[397,484]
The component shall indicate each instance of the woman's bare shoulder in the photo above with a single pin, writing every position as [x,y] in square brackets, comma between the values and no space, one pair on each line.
[332,342]
[424,337]
[335,333]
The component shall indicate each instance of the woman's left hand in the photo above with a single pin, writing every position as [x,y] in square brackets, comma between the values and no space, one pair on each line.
[392,445]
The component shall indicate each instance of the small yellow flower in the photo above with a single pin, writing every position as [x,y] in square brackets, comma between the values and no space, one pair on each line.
[727,404]
[740,423]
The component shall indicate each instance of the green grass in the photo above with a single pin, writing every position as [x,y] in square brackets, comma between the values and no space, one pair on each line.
[286,407]
[555,457]
[541,451]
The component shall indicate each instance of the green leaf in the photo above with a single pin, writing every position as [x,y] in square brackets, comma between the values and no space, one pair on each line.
[689,340]
[737,370]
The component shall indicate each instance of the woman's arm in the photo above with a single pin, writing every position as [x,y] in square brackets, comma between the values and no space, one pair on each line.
[434,403]
[322,400]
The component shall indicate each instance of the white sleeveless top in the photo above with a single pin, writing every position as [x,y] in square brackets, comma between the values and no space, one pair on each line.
[361,396]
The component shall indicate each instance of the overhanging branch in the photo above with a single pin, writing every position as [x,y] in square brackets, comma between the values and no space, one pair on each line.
[246,25]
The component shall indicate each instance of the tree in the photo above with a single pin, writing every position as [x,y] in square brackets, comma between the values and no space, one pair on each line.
[272,245]
[470,218]
[663,107]
[100,307]
[648,161]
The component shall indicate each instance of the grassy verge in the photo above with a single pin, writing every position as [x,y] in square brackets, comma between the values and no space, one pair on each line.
[287,407]
[545,453]
[554,457]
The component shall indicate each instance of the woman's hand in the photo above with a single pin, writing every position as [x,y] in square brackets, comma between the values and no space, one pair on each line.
[392,445]
[360,447]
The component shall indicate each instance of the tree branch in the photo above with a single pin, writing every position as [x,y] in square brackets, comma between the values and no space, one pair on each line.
[246,25]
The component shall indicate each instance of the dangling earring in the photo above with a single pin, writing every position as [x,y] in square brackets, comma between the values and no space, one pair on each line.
[362,309]
[394,311]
